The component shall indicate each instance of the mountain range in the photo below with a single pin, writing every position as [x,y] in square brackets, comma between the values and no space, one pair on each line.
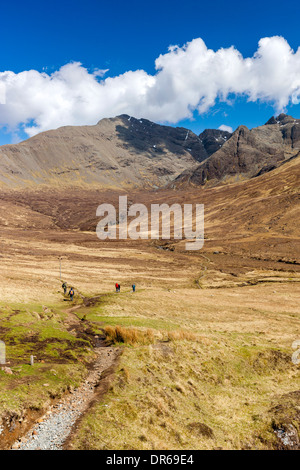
[125,152]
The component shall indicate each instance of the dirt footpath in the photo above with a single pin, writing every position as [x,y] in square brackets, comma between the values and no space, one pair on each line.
[53,429]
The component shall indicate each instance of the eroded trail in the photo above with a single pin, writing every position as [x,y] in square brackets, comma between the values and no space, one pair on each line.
[54,428]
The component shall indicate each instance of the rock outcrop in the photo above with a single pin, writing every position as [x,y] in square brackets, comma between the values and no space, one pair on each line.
[248,153]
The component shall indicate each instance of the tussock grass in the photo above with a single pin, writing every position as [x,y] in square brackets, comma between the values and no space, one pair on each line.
[132,336]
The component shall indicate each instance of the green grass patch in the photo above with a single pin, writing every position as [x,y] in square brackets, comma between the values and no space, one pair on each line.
[60,356]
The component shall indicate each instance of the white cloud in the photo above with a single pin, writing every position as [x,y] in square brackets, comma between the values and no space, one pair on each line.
[223,127]
[2,93]
[189,78]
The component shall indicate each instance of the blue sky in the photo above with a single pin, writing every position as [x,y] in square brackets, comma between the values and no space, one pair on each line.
[129,36]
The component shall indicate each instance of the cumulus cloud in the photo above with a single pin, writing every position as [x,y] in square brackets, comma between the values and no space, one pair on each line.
[188,79]
[223,127]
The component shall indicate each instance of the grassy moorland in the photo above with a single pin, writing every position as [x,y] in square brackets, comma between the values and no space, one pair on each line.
[215,372]
[206,339]
[202,367]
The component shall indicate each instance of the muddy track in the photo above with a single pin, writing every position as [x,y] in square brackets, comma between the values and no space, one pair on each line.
[53,430]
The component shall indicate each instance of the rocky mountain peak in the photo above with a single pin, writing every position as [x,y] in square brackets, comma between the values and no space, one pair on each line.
[214,139]
[281,119]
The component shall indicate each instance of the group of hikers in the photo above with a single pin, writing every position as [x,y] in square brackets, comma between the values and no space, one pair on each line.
[118,287]
[71,290]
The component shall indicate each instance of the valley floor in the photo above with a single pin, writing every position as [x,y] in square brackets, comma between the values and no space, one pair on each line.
[206,342]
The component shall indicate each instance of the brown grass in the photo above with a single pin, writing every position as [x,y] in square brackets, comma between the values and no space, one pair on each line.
[214,359]
[181,335]
[132,336]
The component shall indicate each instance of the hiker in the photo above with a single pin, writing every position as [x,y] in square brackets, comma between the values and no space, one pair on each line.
[64,286]
[71,293]
[118,287]
[133,287]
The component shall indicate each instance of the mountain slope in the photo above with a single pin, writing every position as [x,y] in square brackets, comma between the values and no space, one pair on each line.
[248,153]
[118,152]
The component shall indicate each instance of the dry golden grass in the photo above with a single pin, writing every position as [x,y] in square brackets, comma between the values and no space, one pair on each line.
[219,361]
[134,336]
[181,335]
[183,395]
[119,334]
[202,367]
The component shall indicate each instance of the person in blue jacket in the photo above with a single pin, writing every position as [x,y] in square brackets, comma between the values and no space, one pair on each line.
[71,293]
